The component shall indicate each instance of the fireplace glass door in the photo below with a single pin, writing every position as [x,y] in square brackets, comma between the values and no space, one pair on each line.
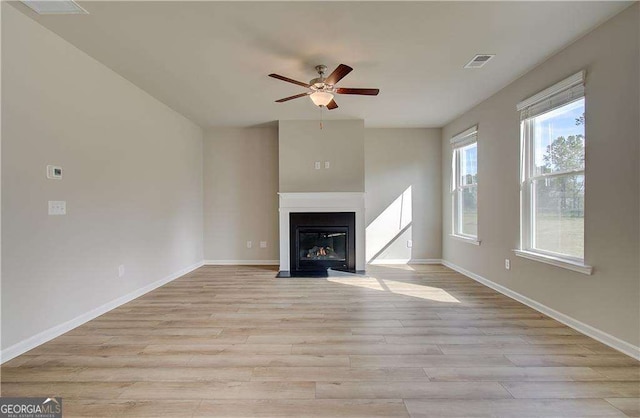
[322,247]
[319,241]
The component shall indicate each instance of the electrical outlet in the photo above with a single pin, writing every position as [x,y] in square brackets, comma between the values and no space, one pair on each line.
[507,264]
[121,270]
[263,244]
[409,243]
[317,165]
[249,244]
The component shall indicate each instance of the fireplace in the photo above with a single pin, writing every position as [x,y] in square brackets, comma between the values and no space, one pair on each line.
[321,210]
[322,240]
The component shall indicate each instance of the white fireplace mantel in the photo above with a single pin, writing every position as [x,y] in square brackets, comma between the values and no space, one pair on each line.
[321,202]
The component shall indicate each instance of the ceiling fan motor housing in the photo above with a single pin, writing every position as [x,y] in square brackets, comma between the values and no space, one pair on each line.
[318,82]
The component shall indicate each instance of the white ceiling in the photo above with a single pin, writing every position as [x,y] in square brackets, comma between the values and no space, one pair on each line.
[210,60]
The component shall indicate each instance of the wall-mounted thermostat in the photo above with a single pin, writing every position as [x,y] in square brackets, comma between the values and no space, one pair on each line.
[54,172]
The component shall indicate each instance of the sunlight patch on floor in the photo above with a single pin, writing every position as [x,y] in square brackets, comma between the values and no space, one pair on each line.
[419,291]
[366,282]
[398,288]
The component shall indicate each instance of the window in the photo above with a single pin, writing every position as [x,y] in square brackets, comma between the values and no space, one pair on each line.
[552,173]
[464,185]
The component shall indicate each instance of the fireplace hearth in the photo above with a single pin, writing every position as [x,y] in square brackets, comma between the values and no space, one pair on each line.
[321,241]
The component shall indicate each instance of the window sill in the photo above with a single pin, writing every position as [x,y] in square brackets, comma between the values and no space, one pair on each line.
[468,240]
[555,261]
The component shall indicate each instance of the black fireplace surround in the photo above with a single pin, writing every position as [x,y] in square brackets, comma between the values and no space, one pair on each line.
[322,240]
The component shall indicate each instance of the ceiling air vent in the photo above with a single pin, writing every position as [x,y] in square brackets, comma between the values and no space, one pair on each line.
[479,60]
[55,7]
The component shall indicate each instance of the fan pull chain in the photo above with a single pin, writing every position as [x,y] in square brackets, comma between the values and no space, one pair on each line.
[321,114]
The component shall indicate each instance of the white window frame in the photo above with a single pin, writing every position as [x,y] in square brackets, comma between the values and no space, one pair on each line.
[560,94]
[458,142]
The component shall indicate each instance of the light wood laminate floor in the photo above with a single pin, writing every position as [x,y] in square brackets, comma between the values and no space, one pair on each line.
[408,340]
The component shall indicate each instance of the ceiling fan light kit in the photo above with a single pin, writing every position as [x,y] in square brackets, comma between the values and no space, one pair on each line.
[321,98]
[321,90]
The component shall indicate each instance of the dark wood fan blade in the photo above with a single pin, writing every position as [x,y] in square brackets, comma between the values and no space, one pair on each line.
[289,80]
[364,92]
[338,74]
[332,105]
[286,99]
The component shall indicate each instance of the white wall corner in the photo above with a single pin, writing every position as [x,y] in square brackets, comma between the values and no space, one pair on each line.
[597,334]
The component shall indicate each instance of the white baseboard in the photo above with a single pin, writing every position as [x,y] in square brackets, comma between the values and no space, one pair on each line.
[599,335]
[241,262]
[51,333]
[393,261]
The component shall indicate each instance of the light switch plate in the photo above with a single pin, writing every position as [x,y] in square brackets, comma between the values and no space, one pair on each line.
[327,164]
[249,244]
[507,264]
[263,244]
[317,165]
[57,207]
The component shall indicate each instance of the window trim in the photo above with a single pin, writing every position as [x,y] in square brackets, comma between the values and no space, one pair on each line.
[468,240]
[560,94]
[459,141]
[555,261]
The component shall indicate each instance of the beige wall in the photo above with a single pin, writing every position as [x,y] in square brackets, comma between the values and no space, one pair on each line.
[341,142]
[609,300]
[241,185]
[240,193]
[403,194]
[132,182]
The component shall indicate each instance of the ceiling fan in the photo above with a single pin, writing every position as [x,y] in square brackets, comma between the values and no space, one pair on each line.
[322,90]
